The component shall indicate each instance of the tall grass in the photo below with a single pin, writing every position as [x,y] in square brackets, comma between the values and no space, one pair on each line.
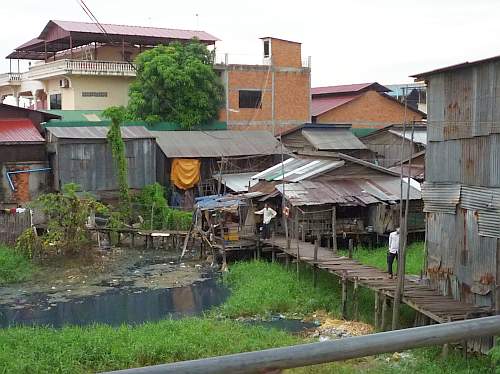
[262,288]
[13,266]
[99,348]
[377,257]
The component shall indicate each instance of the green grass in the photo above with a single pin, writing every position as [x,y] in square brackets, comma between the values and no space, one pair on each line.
[263,288]
[257,288]
[377,257]
[13,266]
[99,348]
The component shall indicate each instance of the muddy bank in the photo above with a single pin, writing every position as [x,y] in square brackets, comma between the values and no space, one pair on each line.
[119,286]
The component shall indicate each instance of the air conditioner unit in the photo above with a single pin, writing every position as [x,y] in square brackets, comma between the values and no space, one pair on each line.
[64,83]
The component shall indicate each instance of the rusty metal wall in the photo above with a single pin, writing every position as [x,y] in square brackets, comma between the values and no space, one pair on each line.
[464,149]
[91,164]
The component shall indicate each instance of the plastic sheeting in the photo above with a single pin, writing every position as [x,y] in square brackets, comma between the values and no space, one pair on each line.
[185,173]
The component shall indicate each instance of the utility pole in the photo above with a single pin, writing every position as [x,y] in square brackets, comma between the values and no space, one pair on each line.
[398,294]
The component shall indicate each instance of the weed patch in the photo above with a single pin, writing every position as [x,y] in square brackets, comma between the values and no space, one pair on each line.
[14,267]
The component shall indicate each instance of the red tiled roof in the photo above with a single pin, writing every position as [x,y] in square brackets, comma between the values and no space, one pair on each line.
[348,88]
[322,105]
[151,32]
[19,130]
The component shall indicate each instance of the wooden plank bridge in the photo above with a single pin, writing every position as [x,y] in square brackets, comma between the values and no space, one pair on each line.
[418,295]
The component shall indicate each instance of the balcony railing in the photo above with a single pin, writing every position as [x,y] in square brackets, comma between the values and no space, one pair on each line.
[10,78]
[80,67]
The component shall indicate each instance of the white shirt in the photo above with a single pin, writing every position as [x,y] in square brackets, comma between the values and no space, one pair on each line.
[268,213]
[394,242]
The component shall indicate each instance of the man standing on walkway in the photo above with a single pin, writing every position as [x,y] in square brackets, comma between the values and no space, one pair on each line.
[268,215]
[393,250]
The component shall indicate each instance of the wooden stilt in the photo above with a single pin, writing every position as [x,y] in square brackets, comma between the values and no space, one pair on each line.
[287,261]
[351,246]
[334,229]
[376,319]
[355,299]
[344,294]
[446,347]
[315,266]
[383,321]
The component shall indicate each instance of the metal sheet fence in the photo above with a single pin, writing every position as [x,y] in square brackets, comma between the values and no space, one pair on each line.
[12,225]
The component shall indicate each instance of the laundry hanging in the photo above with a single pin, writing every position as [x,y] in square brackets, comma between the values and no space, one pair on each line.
[185,172]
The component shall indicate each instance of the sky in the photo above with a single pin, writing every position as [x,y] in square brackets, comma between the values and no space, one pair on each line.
[349,41]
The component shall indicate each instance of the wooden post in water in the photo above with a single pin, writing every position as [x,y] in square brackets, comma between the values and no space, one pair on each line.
[355,299]
[344,294]
[334,229]
[315,266]
[383,322]
[351,245]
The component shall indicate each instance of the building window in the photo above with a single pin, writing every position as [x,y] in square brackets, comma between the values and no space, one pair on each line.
[267,48]
[55,101]
[94,94]
[250,99]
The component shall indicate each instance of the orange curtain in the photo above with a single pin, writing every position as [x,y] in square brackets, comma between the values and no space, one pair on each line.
[185,172]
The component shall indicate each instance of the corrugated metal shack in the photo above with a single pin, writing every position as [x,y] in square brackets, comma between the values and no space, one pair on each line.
[387,143]
[359,198]
[23,158]
[462,189]
[219,152]
[312,137]
[82,155]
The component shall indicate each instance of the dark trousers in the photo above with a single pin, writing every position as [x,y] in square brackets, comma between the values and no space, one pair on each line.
[390,260]
[266,231]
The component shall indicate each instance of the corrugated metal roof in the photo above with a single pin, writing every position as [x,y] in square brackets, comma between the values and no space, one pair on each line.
[98,132]
[19,130]
[296,169]
[441,198]
[195,144]
[320,105]
[347,88]
[349,192]
[419,136]
[332,139]
[152,32]
[237,182]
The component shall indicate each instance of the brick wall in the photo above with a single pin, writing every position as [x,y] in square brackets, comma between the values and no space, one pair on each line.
[370,110]
[285,53]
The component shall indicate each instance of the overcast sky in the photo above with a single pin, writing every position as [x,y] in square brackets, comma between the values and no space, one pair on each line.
[350,41]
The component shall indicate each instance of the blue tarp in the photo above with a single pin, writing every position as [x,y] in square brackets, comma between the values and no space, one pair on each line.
[218,201]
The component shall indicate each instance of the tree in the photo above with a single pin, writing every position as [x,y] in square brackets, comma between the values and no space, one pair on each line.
[176,83]
[117,116]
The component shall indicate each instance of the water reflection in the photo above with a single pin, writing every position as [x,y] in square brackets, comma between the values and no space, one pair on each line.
[119,306]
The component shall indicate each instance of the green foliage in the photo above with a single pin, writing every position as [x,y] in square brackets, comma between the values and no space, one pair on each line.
[377,257]
[29,244]
[14,267]
[262,288]
[101,348]
[176,83]
[117,116]
[153,205]
[67,215]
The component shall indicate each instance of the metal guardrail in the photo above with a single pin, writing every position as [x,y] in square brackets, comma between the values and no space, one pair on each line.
[330,351]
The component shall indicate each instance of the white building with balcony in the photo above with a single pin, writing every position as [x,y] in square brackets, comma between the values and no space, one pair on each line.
[82,66]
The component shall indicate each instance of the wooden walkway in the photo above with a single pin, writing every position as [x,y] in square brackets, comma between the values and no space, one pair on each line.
[417,295]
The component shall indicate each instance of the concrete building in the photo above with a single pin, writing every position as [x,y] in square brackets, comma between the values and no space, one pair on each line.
[462,189]
[76,66]
[366,106]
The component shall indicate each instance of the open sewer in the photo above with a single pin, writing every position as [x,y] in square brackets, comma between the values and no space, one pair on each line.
[116,307]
